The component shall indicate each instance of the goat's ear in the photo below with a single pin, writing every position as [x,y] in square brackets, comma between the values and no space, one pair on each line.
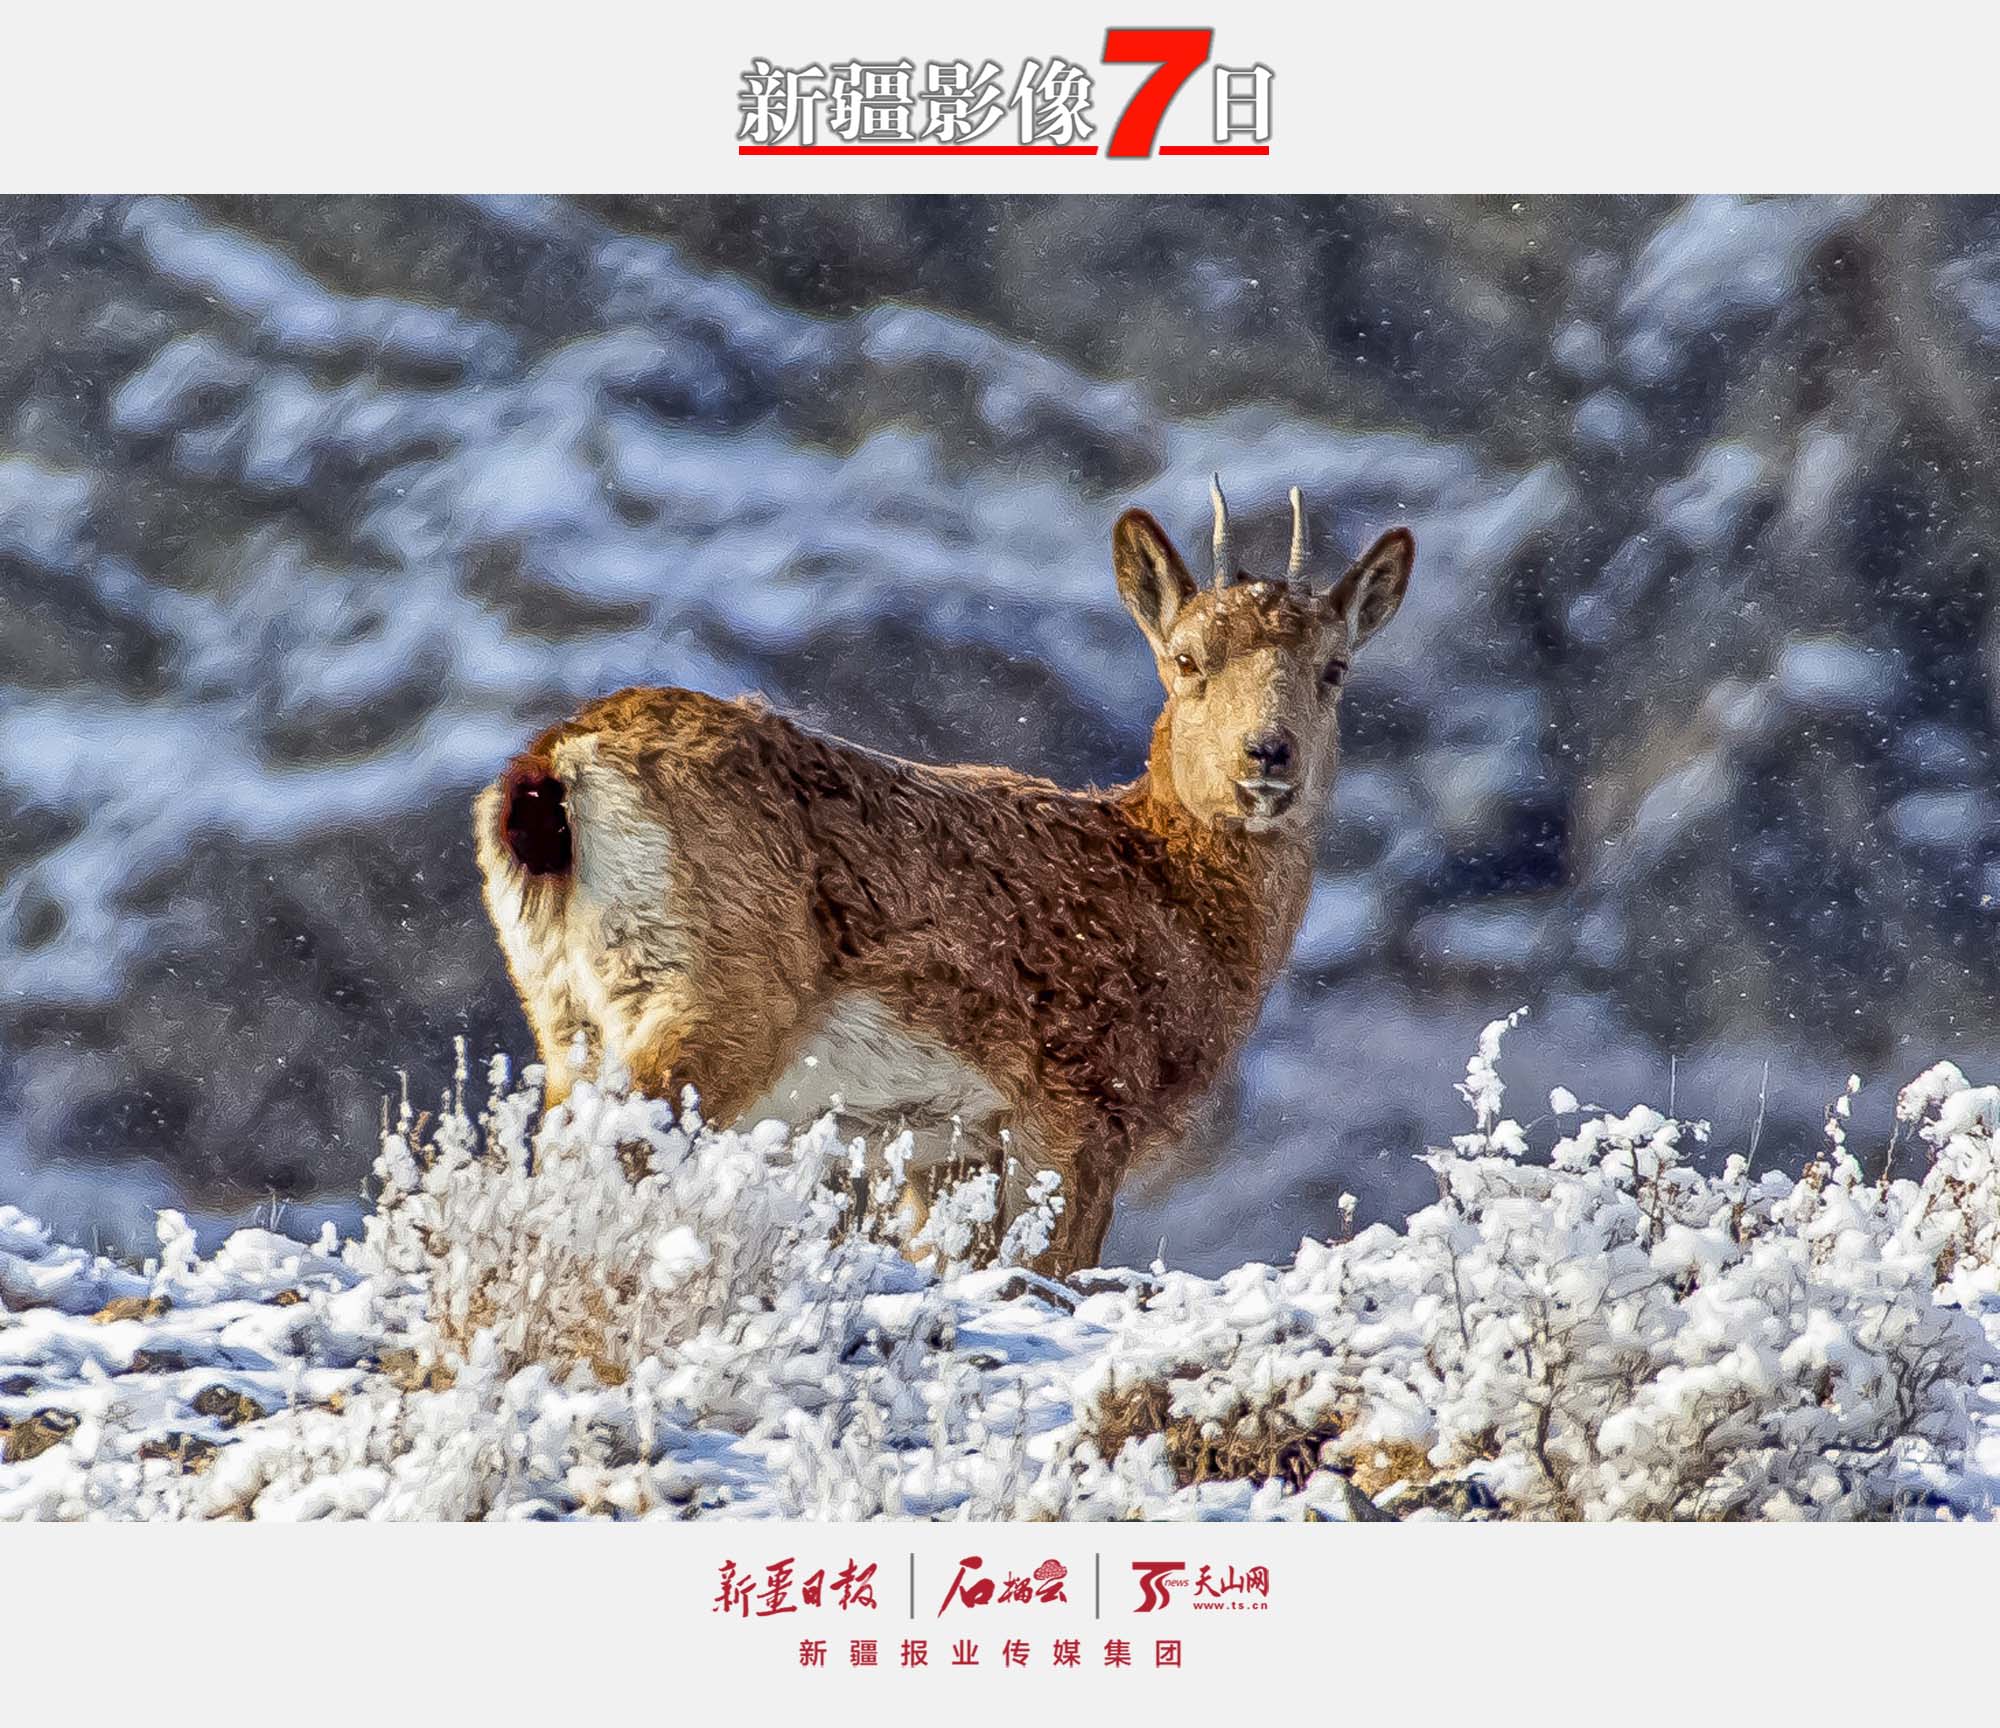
[1368,595]
[1152,580]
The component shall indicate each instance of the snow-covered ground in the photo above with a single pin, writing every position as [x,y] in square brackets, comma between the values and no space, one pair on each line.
[611,1310]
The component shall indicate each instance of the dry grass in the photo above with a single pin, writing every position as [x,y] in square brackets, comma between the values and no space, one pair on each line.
[408,1371]
[579,1324]
[1257,1444]
[189,1452]
[227,1405]
[33,1435]
[1375,1469]
[1265,1441]
[131,1308]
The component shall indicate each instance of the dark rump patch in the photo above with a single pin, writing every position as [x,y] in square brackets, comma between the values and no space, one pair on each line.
[534,820]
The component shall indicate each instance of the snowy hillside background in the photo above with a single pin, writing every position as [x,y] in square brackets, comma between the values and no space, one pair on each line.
[311,510]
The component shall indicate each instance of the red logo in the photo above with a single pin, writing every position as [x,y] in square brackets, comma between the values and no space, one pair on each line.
[1153,1580]
[1209,1589]
[853,1586]
[972,1590]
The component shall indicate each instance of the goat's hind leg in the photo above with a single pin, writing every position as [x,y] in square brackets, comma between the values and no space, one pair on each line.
[565,1040]
[729,1065]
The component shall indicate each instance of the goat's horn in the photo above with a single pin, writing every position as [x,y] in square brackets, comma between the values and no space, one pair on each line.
[1297,567]
[1221,530]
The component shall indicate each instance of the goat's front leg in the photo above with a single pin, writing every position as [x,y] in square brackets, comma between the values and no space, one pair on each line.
[1076,1237]
[1077,1241]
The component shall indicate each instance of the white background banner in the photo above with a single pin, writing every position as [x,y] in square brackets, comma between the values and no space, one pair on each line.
[1437,1623]
[1424,96]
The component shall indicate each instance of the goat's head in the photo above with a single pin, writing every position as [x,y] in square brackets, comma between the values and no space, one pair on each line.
[1254,667]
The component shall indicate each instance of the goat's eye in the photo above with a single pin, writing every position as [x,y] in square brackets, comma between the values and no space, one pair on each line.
[1185,665]
[1334,672]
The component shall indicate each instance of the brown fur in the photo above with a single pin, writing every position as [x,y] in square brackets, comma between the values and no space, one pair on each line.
[1094,958]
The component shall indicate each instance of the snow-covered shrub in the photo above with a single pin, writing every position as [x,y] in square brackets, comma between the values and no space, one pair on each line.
[619,1229]
[612,1309]
[621,1267]
[1213,1428]
[1607,1332]
[1960,1123]
[615,1228]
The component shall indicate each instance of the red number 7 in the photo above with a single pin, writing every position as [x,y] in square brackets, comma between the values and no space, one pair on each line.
[1179,53]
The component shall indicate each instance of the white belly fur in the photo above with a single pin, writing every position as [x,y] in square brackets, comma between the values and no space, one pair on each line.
[859,1062]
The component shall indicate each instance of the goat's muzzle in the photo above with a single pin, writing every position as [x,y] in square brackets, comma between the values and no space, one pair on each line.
[1265,799]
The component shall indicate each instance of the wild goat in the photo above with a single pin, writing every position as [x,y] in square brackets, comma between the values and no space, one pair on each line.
[712,896]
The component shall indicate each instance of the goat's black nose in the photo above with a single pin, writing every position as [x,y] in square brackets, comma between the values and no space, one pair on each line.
[1271,751]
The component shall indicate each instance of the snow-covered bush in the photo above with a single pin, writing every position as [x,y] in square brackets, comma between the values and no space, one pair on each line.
[1961,1191]
[620,1229]
[611,1308]
[1607,1332]
[622,1258]
[615,1228]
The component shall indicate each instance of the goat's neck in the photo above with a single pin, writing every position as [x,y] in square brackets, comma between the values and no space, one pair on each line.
[1260,882]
